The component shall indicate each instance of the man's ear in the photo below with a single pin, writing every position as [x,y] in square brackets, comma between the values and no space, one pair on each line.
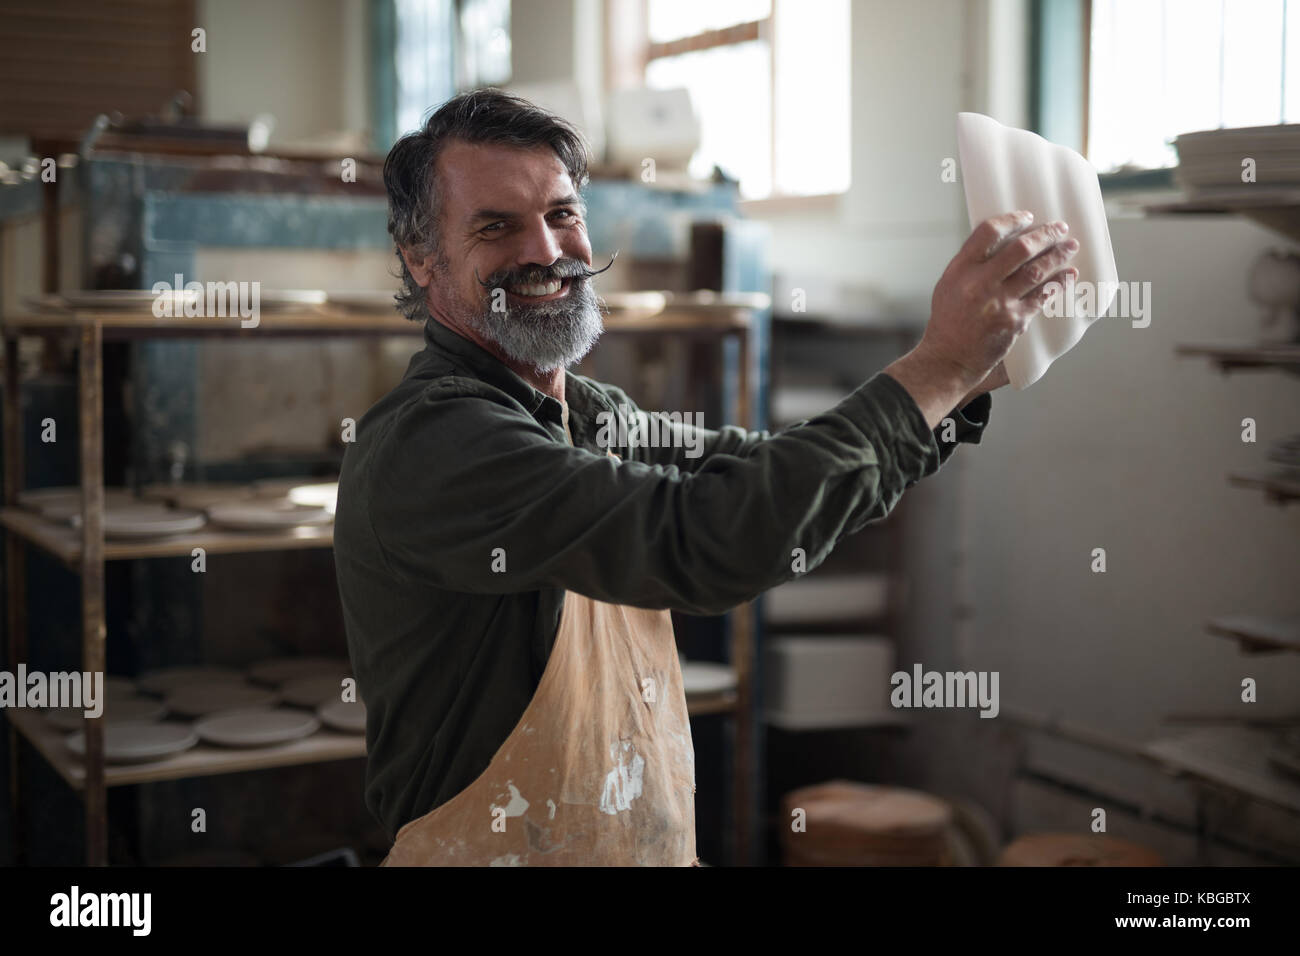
[421,269]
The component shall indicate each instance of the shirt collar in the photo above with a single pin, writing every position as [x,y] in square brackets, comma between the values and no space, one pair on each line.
[486,366]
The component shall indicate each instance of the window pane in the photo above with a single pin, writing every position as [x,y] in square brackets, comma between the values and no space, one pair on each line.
[812,97]
[731,88]
[1252,63]
[423,59]
[484,43]
[1164,67]
[674,19]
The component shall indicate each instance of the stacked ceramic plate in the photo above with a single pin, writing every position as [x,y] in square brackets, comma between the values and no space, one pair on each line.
[269,514]
[313,690]
[256,727]
[115,710]
[346,716]
[1210,161]
[279,487]
[146,520]
[324,495]
[315,683]
[200,700]
[197,494]
[136,741]
[852,824]
[163,681]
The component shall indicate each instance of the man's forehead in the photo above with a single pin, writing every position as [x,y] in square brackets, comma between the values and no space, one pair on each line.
[502,177]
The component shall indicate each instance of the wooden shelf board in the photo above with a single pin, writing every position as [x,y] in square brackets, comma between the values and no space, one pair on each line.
[1258,632]
[200,761]
[1233,757]
[627,312]
[1278,488]
[1276,209]
[64,542]
[1228,357]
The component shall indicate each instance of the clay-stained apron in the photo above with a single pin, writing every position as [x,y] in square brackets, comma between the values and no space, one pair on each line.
[599,771]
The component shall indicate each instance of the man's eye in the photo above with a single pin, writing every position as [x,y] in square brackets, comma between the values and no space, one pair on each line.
[493,227]
[564,212]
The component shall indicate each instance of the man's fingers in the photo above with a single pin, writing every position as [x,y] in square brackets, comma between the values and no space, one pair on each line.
[991,234]
[1038,296]
[1024,248]
[1038,270]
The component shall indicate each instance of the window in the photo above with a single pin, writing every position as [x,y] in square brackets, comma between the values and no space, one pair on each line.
[426,50]
[770,84]
[1163,67]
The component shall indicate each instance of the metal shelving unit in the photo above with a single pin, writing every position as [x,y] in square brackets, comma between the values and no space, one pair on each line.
[85,551]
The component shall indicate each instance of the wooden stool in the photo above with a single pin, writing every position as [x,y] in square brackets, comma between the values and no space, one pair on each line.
[1076,849]
[855,824]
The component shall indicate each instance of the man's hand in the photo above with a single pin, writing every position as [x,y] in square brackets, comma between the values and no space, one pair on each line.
[985,299]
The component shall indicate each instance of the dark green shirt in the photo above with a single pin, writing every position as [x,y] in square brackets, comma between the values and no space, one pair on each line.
[464,513]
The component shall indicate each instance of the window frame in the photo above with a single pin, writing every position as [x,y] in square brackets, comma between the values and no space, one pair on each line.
[627,28]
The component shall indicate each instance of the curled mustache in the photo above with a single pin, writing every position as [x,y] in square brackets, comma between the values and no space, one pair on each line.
[564,269]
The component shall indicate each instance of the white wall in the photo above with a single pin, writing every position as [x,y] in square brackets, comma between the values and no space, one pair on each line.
[304,61]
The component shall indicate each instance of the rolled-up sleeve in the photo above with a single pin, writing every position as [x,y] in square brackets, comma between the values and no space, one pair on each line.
[474,494]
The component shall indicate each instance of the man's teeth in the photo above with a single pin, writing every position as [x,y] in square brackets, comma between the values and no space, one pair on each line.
[542,288]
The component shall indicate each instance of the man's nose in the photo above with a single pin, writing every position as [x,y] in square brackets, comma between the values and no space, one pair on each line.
[539,245]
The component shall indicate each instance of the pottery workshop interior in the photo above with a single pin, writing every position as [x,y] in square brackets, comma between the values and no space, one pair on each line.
[744,433]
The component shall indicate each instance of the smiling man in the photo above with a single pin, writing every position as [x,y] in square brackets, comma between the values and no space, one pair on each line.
[506,579]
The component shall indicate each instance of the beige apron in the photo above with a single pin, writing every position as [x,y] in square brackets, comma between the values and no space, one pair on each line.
[600,769]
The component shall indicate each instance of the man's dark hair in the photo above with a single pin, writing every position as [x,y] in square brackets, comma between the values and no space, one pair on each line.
[484,116]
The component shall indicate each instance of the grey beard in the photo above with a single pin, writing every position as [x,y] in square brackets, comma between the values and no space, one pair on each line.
[545,335]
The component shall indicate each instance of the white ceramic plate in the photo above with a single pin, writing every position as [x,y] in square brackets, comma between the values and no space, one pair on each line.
[279,487]
[270,514]
[316,496]
[200,700]
[197,494]
[705,677]
[313,691]
[279,670]
[138,741]
[1005,169]
[256,727]
[167,679]
[70,510]
[289,298]
[153,520]
[342,715]
[116,710]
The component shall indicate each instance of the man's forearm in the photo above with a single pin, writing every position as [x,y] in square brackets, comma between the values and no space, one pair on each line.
[937,388]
